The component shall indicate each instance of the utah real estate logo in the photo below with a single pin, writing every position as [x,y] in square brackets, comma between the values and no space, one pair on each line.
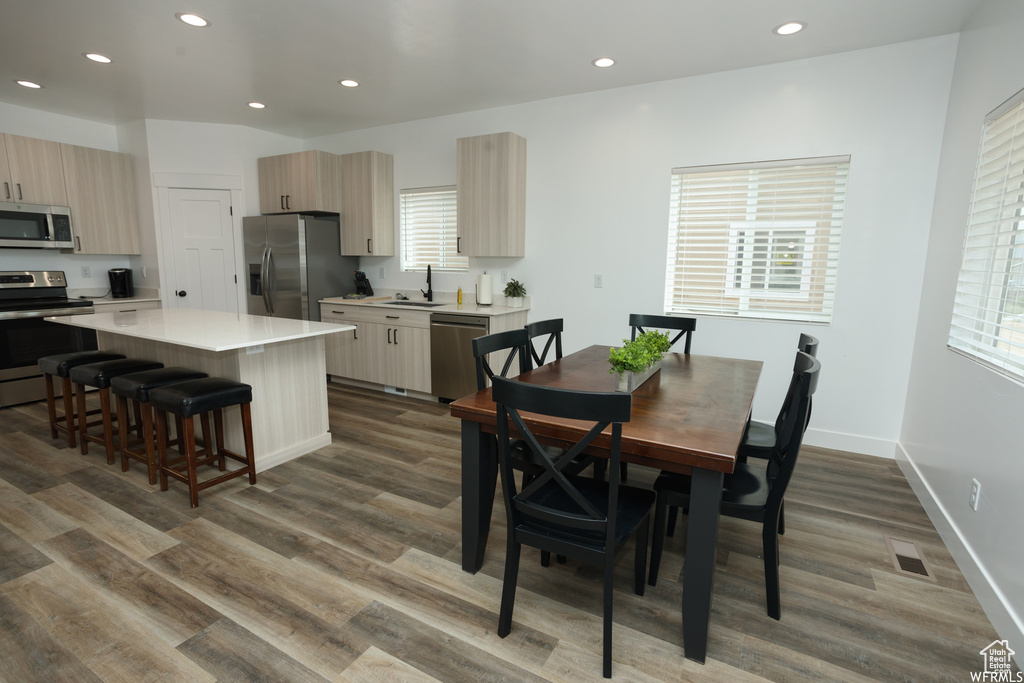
[998,665]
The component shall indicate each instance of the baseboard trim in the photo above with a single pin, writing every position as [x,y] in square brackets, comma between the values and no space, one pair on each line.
[853,443]
[1007,622]
[265,462]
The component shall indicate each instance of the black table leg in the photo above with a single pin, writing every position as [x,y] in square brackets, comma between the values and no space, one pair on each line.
[479,478]
[699,566]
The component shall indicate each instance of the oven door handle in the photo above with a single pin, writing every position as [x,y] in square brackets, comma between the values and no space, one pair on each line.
[15,315]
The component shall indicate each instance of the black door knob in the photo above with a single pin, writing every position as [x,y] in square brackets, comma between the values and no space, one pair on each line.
[181,292]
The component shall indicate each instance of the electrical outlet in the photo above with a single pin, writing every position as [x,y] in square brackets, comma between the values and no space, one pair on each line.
[382,273]
[255,348]
[143,272]
[598,280]
[86,271]
[975,494]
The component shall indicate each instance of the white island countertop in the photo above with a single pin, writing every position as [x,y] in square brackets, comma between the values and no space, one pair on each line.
[207,330]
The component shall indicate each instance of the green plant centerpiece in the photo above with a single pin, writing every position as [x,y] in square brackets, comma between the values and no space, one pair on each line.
[635,361]
[515,288]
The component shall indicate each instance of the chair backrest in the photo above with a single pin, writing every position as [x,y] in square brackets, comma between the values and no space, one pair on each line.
[790,425]
[686,326]
[516,341]
[561,510]
[552,328]
[808,345]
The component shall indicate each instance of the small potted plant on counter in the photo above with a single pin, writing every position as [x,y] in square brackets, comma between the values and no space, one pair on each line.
[514,293]
[636,361]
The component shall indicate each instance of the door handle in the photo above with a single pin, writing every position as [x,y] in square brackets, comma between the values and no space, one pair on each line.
[181,292]
[264,285]
[271,280]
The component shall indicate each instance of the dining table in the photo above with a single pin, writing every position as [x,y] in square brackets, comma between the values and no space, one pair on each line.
[689,417]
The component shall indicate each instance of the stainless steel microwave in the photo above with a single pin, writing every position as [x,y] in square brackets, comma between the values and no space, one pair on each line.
[35,226]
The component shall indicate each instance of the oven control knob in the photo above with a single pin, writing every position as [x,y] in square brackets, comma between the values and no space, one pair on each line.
[181,292]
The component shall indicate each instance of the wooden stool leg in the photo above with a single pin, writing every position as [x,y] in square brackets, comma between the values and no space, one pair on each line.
[82,419]
[147,434]
[249,451]
[161,446]
[189,437]
[138,418]
[69,412]
[218,428]
[108,424]
[122,430]
[177,434]
[51,404]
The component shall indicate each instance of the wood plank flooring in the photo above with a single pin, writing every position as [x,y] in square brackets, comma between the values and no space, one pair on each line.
[344,565]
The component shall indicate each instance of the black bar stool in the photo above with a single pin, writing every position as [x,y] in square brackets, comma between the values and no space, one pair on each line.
[99,375]
[200,397]
[60,366]
[136,387]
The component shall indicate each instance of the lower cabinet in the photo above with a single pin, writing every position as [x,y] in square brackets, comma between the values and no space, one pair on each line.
[124,306]
[385,348]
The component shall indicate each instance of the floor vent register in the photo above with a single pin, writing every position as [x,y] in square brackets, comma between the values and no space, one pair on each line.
[908,559]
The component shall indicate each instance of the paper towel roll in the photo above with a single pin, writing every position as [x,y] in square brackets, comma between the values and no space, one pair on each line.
[484,295]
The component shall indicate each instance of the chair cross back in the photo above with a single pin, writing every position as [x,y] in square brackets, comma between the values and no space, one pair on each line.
[603,409]
[686,326]
[515,340]
[790,425]
[552,328]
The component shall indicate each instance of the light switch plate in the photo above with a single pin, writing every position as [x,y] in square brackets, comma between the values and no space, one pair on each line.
[598,280]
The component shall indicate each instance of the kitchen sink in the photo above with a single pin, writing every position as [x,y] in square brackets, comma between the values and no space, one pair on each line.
[423,304]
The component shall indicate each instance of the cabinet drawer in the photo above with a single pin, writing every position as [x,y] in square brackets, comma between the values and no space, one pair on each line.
[124,307]
[384,315]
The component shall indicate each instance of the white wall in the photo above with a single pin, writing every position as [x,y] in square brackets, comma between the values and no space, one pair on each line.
[962,420]
[598,177]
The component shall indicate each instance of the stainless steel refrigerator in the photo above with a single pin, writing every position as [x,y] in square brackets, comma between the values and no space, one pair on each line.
[293,262]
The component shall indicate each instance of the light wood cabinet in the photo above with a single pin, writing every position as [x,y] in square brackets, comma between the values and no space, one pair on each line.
[31,171]
[301,182]
[387,347]
[367,204]
[491,183]
[124,306]
[101,194]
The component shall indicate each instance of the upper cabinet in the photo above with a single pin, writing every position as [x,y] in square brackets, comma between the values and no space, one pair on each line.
[300,182]
[367,204]
[101,194]
[491,186]
[31,171]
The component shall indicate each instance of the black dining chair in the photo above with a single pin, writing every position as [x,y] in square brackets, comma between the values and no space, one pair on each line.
[684,326]
[587,519]
[750,492]
[553,329]
[759,438]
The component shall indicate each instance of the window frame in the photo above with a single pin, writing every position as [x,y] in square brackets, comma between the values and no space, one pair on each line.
[447,258]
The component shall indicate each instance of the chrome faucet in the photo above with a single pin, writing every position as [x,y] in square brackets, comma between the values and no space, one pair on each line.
[430,292]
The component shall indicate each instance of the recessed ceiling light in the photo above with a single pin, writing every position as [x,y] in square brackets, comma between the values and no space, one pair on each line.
[349,83]
[192,19]
[789,28]
[603,62]
[257,105]
[98,58]
[29,84]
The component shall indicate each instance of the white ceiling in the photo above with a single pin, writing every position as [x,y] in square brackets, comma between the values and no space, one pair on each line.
[414,58]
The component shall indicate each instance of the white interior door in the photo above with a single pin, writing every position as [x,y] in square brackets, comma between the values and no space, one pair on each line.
[203,250]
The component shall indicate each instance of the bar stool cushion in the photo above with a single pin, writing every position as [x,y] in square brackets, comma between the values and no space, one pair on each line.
[196,396]
[99,374]
[136,385]
[61,364]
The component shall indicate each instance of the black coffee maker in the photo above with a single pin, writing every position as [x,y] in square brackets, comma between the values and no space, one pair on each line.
[121,283]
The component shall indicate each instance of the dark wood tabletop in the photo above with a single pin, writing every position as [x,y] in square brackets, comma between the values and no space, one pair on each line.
[690,414]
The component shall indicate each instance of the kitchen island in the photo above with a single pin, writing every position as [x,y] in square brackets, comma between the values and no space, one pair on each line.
[282,359]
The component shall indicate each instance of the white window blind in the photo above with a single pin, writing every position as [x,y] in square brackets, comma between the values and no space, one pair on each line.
[758,240]
[988,311]
[428,225]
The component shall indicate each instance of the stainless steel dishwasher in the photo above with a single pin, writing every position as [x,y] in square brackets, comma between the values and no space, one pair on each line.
[452,367]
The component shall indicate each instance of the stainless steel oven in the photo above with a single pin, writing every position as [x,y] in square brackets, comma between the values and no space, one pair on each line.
[26,297]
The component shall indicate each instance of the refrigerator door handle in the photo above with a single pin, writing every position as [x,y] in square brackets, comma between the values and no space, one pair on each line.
[264,289]
[271,282]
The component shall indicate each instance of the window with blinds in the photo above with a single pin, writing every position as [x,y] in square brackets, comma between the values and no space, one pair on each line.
[988,311]
[758,240]
[428,226]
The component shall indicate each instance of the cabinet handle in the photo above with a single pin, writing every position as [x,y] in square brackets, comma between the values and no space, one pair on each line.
[339,312]
[20,197]
[282,202]
[7,189]
[369,250]
[389,335]
[393,317]
[396,336]
[128,310]
[458,245]
[78,244]
[355,333]
[288,201]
